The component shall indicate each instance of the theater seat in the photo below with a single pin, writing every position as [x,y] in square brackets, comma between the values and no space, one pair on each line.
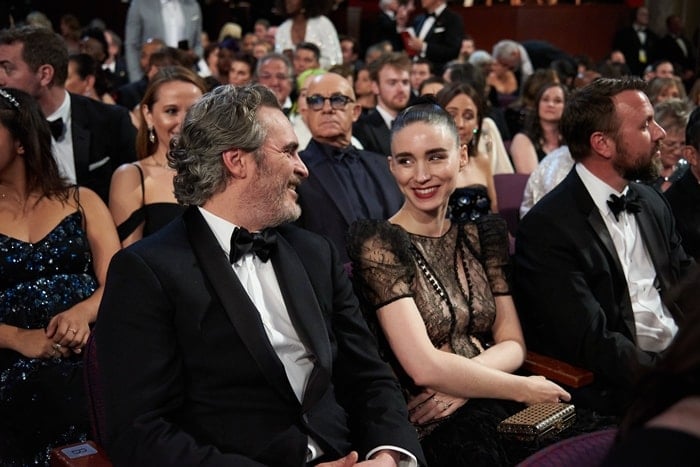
[586,450]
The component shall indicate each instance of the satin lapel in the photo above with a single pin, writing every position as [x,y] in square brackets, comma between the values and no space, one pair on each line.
[305,313]
[379,171]
[235,301]
[653,240]
[81,140]
[380,132]
[329,181]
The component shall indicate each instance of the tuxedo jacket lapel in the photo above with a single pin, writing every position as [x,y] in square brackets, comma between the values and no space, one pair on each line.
[305,313]
[81,140]
[235,301]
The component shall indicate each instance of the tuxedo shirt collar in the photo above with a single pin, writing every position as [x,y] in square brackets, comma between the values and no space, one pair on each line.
[438,11]
[598,189]
[388,119]
[221,228]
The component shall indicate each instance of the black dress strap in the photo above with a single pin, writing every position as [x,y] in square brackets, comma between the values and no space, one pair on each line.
[137,217]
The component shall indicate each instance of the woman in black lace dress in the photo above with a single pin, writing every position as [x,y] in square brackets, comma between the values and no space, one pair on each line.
[141,194]
[55,244]
[475,194]
[437,293]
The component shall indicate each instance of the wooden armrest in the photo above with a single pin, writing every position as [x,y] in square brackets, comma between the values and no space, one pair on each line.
[88,454]
[556,370]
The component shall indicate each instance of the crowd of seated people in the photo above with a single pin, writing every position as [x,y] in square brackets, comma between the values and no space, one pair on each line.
[399,148]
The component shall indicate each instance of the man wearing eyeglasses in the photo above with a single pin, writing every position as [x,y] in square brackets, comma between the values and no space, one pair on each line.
[344,184]
[274,70]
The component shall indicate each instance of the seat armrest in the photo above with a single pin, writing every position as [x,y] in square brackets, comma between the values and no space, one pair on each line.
[556,370]
[88,454]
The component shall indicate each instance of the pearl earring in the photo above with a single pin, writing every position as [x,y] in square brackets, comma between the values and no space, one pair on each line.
[151,135]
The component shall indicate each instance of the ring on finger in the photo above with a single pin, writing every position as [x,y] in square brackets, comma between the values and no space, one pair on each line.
[74,331]
[56,346]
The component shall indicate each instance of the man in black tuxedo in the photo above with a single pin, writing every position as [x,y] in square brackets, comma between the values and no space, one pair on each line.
[90,139]
[438,34]
[589,277]
[677,49]
[218,346]
[390,75]
[637,42]
[345,184]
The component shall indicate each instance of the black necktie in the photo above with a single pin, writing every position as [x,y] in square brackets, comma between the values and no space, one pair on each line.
[56,128]
[258,243]
[627,203]
[349,152]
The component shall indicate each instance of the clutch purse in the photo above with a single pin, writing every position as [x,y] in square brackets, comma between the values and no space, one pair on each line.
[538,421]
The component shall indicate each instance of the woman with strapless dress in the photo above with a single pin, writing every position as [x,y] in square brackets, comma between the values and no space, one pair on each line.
[56,242]
[141,194]
[476,193]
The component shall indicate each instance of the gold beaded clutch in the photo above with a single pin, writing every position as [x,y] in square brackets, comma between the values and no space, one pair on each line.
[538,421]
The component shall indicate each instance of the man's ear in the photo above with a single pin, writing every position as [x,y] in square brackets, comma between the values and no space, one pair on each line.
[356,111]
[235,163]
[691,155]
[45,73]
[602,144]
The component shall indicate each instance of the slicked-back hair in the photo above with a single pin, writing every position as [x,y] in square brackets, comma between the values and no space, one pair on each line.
[590,109]
[428,111]
[40,47]
[226,118]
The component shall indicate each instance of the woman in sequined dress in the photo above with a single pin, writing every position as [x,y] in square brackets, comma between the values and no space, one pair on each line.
[55,244]
[476,192]
[437,294]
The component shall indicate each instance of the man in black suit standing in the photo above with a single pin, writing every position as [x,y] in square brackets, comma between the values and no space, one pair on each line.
[596,255]
[345,184]
[438,34]
[90,139]
[677,49]
[637,42]
[231,337]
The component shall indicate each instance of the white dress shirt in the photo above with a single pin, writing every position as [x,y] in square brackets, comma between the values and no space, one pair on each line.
[173,22]
[654,324]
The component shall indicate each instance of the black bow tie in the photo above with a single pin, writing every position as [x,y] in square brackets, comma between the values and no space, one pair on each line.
[627,203]
[56,128]
[349,151]
[428,15]
[258,243]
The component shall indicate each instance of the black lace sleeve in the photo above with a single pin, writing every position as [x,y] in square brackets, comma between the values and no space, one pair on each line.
[381,262]
[493,237]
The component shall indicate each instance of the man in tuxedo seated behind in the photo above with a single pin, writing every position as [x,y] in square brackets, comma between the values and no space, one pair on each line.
[589,277]
[345,184]
[230,338]
[275,71]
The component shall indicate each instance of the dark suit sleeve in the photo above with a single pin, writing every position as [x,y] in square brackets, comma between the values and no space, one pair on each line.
[364,383]
[560,275]
[124,135]
[447,47]
[136,324]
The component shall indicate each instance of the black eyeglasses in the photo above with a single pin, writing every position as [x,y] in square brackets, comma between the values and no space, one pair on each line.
[338,101]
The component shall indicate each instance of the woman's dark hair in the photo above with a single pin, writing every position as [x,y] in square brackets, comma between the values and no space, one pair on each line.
[86,65]
[425,110]
[533,125]
[454,89]
[168,74]
[21,115]
[309,8]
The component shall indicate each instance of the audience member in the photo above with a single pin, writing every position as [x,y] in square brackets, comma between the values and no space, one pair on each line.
[549,173]
[345,184]
[672,115]
[637,42]
[663,69]
[260,28]
[129,95]
[242,69]
[115,64]
[89,139]
[363,90]
[211,58]
[684,195]
[248,42]
[438,34]
[141,196]
[677,49]
[391,84]
[56,241]
[280,374]
[306,22]
[350,48]
[589,280]
[431,86]
[421,69]
[438,296]
[70,32]
[392,16]
[503,84]
[662,425]
[525,106]
[475,194]
[467,48]
[275,71]
[177,22]
[86,78]
[514,57]
[662,89]
[541,134]
[306,56]
[299,112]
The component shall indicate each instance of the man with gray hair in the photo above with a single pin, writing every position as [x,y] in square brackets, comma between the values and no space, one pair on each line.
[275,71]
[513,56]
[231,337]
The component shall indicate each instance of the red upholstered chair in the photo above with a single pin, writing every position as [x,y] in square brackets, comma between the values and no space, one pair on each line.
[586,450]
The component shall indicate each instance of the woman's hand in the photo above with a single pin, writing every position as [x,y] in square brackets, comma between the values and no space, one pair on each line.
[33,343]
[540,389]
[69,329]
[430,405]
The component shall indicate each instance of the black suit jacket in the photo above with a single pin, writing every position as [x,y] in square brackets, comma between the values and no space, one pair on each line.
[372,132]
[325,209]
[669,49]
[129,95]
[571,291]
[684,198]
[627,41]
[189,375]
[103,139]
[444,39]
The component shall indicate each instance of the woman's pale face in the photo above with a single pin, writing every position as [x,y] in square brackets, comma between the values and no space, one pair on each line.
[551,106]
[172,102]
[74,83]
[240,73]
[425,162]
[363,85]
[669,92]
[672,147]
[465,115]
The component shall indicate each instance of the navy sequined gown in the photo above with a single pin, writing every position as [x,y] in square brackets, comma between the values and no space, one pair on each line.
[42,401]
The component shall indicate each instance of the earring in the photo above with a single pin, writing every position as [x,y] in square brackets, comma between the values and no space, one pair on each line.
[475,130]
[151,135]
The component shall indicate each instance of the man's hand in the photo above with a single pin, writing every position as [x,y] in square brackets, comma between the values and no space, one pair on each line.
[347,461]
[382,458]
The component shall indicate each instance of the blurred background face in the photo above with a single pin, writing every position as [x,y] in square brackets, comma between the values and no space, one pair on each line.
[551,104]
[363,85]
[173,100]
[393,89]
[240,73]
[672,147]
[275,75]
[465,115]
[74,83]
[669,92]
[304,60]
[419,73]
